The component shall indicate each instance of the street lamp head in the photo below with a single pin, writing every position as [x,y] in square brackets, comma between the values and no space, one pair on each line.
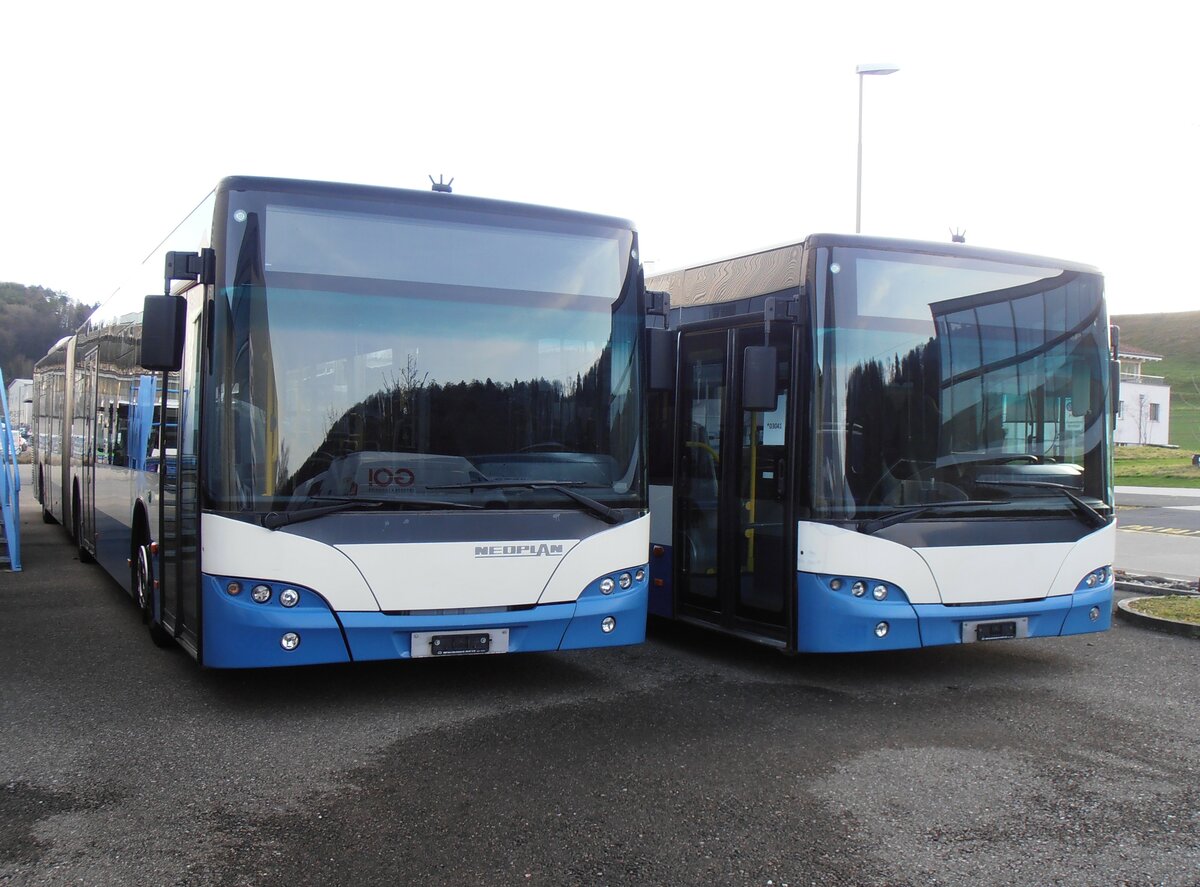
[878,68]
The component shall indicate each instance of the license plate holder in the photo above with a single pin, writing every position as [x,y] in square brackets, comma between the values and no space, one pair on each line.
[983,630]
[478,642]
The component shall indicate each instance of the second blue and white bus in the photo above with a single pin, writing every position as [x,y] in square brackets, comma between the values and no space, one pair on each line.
[360,424]
[879,444]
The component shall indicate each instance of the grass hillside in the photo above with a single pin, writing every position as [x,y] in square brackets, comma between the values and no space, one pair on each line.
[1176,337]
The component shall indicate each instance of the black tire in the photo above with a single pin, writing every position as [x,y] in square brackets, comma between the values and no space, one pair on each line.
[143,591]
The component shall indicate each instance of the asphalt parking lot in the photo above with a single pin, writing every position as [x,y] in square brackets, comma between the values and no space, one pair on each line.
[690,759]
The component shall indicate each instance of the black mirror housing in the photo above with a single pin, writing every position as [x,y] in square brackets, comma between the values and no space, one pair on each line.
[660,358]
[164,321]
[759,391]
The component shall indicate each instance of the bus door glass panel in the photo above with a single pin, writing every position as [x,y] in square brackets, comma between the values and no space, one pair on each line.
[761,537]
[187,473]
[164,460]
[701,426]
[85,410]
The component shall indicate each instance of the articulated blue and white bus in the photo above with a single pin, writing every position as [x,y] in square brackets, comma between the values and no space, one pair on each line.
[877,444]
[362,424]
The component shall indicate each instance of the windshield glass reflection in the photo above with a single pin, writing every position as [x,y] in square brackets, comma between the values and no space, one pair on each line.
[382,388]
[947,380]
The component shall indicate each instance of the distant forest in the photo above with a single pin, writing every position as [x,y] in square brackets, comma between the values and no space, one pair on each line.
[32,318]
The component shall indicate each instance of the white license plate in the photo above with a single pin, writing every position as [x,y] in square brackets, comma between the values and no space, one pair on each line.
[995,630]
[480,642]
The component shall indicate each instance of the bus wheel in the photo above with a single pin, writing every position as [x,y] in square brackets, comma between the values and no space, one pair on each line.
[143,586]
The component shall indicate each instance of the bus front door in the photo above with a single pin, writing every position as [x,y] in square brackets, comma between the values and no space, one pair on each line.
[731,489]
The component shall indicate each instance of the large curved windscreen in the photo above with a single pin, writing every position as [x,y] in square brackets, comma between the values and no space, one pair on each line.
[948,380]
[390,357]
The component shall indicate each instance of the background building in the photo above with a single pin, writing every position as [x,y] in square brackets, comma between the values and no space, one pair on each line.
[19,391]
[1144,404]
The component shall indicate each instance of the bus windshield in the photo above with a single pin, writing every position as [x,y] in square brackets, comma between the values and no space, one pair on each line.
[388,350]
[951,380]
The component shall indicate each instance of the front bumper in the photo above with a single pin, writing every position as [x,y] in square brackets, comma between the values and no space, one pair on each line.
[831,621]
[239,633]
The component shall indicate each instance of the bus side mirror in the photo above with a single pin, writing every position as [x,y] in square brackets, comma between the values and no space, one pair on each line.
[163,327]
[660,357]
[759,393]
[1114,387]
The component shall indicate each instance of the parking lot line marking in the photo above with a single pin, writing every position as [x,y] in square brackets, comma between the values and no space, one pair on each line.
[1165,531]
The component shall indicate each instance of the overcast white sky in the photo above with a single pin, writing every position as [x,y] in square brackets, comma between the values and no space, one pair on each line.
[1066,129]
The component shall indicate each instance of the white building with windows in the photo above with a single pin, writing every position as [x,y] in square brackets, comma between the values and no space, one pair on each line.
[1144,404]
[19,391]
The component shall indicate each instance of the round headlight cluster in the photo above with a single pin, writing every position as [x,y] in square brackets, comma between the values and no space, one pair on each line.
[1097,577]
[625,580]
[859,587]
[263,593]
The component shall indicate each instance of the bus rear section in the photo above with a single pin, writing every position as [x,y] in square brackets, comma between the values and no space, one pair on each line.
[931,464]
[369,423]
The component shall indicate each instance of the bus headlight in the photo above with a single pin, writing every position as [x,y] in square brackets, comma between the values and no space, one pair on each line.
[608,624]
[879,592]
[607,585]
[261,593]
[881,630]
[289,597]
[625,580]
[290,641]
[859,588]
[640,574]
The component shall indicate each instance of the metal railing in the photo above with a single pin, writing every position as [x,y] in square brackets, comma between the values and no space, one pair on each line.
[1149,380]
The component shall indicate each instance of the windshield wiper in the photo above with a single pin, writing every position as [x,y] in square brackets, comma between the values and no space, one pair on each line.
[1086,513]
[870,527]
[602,511]
[273,520]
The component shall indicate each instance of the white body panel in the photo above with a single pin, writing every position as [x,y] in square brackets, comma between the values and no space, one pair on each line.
[423,576]
[955,575]
[662,514]
[624,546]
[449,575]
[235,548]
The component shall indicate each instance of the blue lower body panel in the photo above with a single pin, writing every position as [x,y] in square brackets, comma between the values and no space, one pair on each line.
[829,621]
[241,633]
[569,626]
[835,621]
[1047,618]
[662,592]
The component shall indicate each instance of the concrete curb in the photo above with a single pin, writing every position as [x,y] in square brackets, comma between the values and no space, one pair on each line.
[1186,629]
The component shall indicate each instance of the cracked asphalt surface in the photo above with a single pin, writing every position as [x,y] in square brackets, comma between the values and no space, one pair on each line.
[690,759]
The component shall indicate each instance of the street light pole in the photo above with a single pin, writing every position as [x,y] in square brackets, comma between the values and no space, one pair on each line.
[863,70]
